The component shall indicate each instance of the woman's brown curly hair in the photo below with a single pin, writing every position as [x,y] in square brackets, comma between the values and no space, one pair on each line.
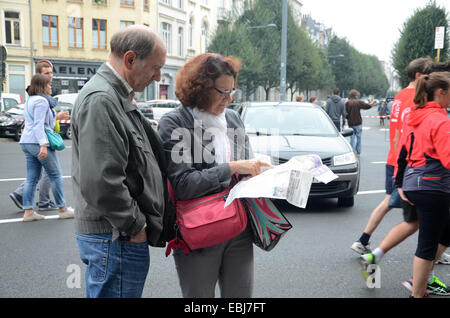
[196,78]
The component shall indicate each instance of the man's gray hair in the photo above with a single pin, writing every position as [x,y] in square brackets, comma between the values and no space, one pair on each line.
[139,39]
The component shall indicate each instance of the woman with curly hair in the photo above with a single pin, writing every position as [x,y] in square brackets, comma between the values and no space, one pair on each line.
[214,147]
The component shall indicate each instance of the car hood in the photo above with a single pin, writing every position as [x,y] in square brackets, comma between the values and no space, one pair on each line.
[289,146]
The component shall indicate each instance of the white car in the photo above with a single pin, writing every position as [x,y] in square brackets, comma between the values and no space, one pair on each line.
[162,106]
[66,98]
[10,100]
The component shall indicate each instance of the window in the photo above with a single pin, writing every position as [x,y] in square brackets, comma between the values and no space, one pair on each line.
[191,30]
[146,5]
[180,4]
[180,41]
[166,35]
[100,2]
[50,30]
[127,3]
[76,36]
[12,27]
[124,24]
[168,2]
[98,34]
[204,40]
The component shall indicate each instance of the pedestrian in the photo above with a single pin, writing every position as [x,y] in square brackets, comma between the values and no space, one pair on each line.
[403,100]
[39,117]
[410,224]
[314,100]
[423,176]
[353,110]
[205,86]
[382,112]
[43,67]
[117,181]
[336,109]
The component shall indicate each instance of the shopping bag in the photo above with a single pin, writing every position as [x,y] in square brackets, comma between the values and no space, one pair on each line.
[268,224]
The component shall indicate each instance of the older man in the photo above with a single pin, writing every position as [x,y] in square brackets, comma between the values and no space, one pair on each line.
[117,180]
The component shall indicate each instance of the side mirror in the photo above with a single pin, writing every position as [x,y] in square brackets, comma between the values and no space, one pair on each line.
[347,132]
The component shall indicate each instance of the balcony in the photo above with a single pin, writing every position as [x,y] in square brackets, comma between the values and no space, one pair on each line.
[223,14]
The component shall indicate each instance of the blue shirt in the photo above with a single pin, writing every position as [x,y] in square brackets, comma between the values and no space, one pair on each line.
[43,119]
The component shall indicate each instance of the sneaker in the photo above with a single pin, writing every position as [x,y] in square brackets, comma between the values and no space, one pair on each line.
[366,260]
[17,199]
[33,217]
[445,259]
[361,249]
[437,287]
[409,286]
[68,213]
[46,207]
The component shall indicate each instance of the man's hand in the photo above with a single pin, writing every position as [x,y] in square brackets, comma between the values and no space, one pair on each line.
[140,237]
[62,115]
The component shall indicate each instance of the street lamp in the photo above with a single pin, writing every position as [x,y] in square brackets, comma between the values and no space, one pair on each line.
[271,25]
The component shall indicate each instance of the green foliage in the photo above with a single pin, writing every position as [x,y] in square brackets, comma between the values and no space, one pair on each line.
[417,38]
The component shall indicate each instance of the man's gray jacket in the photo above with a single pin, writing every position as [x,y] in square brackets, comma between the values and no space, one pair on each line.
[117,181]
[336,108]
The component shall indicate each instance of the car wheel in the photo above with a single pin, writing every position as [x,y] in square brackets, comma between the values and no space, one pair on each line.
[346,202]
[69,133]
[18,134]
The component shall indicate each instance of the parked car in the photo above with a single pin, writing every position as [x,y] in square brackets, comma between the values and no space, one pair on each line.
[162,106]
[8,101]
[66,98]
[11,122]
[146,109]
[284,130]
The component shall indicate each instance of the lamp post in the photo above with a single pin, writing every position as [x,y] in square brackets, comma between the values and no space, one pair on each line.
[283,53]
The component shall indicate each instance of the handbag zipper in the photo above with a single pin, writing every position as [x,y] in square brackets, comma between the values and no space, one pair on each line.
[224,196]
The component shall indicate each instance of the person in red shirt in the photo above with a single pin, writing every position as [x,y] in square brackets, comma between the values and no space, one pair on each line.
[403,100]
[423,177]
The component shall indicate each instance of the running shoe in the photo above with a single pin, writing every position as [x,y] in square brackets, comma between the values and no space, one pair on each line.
[445,259]
[361,249]
[366,260]
[435,287]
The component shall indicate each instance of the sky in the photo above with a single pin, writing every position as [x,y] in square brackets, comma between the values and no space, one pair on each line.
[371,26]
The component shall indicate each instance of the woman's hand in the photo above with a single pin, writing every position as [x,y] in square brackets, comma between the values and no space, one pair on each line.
[403,196]
[249,167]
[43,153]
[62,115]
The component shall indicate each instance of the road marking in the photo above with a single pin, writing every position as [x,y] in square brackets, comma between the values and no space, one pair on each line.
[379,162]
[23,179]
[371,192]
[50,217]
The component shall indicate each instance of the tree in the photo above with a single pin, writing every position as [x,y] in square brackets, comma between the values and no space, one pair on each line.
[344,68]
[417,38]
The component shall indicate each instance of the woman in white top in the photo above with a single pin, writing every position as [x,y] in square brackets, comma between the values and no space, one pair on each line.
[39,117]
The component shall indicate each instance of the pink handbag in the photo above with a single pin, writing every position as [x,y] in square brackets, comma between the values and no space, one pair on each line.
[205,221]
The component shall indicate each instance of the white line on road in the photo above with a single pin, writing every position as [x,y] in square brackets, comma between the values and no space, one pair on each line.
[379,162]
[51,217]
[23,179]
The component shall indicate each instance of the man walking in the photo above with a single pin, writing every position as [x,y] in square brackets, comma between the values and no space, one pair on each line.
[336,109]
[117,182]
[43,67]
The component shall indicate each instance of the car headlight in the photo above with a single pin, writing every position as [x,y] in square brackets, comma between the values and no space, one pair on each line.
[345,159]
[7,123]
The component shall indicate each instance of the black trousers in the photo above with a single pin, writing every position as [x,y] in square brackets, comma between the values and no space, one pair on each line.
[434,221]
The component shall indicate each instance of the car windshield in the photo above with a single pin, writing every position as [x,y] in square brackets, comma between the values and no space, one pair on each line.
[288,120]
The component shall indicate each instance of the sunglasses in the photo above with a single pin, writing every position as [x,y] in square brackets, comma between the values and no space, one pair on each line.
[225,93]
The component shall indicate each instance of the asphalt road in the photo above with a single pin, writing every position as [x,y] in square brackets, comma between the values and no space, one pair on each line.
[314,259]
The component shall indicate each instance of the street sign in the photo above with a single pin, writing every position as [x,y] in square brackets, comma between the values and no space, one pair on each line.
[439,38]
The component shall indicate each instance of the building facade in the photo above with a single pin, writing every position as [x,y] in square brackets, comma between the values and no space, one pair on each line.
[72,34]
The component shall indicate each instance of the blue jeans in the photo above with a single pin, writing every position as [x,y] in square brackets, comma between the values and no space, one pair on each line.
[355,139]
[34,169]
[113,269]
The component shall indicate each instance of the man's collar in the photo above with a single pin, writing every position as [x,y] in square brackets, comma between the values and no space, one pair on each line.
[123,81]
